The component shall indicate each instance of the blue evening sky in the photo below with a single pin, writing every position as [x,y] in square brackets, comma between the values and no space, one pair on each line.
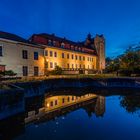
[118,20]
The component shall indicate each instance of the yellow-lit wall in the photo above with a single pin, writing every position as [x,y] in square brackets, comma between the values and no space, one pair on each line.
[63,62]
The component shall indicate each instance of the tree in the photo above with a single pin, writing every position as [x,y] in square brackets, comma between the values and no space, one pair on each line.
[130,62]
[125,64]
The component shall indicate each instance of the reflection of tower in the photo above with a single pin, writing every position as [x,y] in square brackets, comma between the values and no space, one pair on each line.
[100,106]
[90,107]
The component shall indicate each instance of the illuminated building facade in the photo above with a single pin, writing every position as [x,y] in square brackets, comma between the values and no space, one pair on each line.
[73,57]
[42,52]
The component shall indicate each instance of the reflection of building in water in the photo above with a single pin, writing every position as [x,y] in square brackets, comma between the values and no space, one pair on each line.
[100,106]
[55,102]
[56,106]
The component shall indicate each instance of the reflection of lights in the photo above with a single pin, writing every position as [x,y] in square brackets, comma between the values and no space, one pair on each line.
[47,60]
[48,105]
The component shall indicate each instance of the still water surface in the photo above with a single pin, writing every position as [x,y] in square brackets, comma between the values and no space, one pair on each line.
[68,115]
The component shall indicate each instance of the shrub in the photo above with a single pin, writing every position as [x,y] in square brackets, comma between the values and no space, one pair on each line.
[57,71]
[125,72]
[7,73]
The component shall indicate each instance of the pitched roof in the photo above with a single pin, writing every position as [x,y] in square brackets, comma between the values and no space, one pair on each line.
[53,37]
[13,37]
[60,39]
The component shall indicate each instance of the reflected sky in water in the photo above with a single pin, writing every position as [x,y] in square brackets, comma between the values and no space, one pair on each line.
[98,118]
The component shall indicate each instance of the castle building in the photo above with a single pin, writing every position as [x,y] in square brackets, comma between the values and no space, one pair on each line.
[43,52]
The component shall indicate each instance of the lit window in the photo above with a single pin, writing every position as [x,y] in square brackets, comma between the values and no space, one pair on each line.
[63,55]
[24,54]
[0,50]
[51,53]
[35,55]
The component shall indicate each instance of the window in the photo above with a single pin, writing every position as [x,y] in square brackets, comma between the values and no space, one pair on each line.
[68,56]
[62,45]
[35,55]
[79,57]
[55,102]
[24,54]
[68,99]
[63,100]
[76,66]
[72,66]
[80,66]
[83,58]
[25,70]
[84,66]
[55,54]
[49,43]
[63,55]
[54,43]
[46,52]
[88,58]
[0,50]
[72,57]
[51,65]
[72,98]
[51,54]
[51,103]
[36,71]
[76,57]
[68,66]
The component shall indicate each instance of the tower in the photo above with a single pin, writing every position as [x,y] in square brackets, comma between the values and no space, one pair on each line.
[99,42]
